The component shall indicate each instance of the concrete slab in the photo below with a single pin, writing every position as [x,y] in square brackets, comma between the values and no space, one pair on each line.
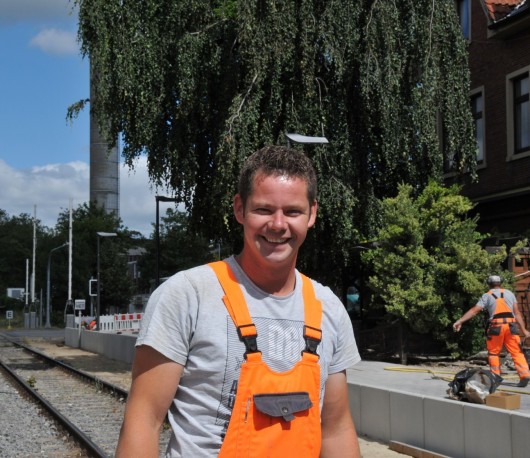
[421,382]
[409,406]
[422,415]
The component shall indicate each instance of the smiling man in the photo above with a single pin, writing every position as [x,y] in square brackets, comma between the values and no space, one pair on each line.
[247,354]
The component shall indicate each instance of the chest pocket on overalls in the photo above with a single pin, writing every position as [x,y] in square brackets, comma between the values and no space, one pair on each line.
[283,405]
[275,414]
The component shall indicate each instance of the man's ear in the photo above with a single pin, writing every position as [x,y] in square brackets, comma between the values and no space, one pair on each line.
[313,215]
[239,209]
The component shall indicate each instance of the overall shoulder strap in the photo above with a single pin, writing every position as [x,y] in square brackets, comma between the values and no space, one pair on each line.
[312,316]
[238,310]
[236,305]
[502,309]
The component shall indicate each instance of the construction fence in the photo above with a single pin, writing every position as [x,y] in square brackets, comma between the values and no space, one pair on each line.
[118,322]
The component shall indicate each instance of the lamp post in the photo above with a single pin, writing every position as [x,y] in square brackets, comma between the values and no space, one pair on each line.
[304,139]
[48,325]
[99,235]
[157,232]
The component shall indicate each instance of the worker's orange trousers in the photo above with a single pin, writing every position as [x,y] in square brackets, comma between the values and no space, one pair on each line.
[499,335]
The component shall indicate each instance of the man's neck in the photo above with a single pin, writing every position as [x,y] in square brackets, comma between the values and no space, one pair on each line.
[279,281]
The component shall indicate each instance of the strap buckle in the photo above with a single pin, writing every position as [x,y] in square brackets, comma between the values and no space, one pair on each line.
[249,336]
[312,337]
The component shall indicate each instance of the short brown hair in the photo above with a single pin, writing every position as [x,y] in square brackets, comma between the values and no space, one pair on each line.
[275,161]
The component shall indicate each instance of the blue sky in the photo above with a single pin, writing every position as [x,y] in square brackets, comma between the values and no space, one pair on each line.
[44,160]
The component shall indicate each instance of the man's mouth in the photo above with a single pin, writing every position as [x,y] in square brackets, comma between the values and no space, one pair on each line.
[278,241]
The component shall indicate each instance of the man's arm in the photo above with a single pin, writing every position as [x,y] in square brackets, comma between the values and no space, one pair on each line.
[520,321]
[466,316]
[339,438]
[155,379]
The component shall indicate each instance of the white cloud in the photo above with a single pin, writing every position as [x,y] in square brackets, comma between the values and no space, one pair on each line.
[51,187]
[137,200]
[56,41]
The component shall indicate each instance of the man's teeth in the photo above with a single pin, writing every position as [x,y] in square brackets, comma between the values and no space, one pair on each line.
[276,240]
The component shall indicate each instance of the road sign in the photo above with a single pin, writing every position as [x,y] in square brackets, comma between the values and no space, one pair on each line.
[9,314]
[79,304]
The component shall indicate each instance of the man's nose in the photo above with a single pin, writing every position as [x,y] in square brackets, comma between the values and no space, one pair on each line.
[278,221]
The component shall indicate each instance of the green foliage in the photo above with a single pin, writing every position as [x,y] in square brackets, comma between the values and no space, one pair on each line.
[116,285]
[16,242]
[180,248]
[429,266]
[198,86]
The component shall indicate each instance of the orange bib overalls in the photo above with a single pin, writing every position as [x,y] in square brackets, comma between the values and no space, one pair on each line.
[503,330]
[275,414]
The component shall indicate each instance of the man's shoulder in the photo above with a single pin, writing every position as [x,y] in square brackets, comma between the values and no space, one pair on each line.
[323,292]
[192,276]
[498,292]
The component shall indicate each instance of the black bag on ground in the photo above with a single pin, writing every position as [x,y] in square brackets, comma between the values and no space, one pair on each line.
[473,385]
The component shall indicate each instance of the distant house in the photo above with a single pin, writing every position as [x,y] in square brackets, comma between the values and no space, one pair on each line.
[498,32]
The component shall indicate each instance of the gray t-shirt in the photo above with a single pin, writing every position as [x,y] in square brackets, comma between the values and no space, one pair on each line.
[187,322]
[488,302]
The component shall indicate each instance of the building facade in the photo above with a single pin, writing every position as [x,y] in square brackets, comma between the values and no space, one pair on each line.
[499,57]
[498,32]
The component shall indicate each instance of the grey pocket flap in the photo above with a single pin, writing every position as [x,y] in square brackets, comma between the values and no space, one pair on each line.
[282,404]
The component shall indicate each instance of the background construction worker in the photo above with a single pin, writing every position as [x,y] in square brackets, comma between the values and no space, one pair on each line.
[504,327]
[190,353]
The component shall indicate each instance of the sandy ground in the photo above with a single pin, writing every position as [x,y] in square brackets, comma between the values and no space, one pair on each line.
[119,374]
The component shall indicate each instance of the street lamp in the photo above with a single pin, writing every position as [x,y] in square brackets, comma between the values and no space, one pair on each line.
[48,325]
[99,235]
[157,232]
[297,138]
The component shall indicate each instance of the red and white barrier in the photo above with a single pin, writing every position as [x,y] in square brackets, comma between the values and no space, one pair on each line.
[119,322]
[127,322]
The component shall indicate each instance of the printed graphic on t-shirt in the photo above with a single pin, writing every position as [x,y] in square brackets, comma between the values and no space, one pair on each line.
[281,343]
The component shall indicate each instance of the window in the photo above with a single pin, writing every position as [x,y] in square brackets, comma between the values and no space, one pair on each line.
[477,109]
[464,14]
[450,158]
[518,113]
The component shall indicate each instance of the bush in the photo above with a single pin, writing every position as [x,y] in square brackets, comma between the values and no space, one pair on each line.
[429,267]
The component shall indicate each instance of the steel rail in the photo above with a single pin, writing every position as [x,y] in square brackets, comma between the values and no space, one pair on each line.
[109,386]
[84,441]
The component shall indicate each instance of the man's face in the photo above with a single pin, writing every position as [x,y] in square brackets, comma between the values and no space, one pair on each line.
[275,219]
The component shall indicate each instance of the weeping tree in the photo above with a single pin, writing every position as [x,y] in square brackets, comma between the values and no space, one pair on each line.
[198,85]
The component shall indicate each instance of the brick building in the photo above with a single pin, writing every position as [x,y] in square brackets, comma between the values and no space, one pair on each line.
[499,56]
[498,32]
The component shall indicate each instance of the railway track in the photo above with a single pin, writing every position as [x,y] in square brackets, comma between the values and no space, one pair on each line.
[87,412]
